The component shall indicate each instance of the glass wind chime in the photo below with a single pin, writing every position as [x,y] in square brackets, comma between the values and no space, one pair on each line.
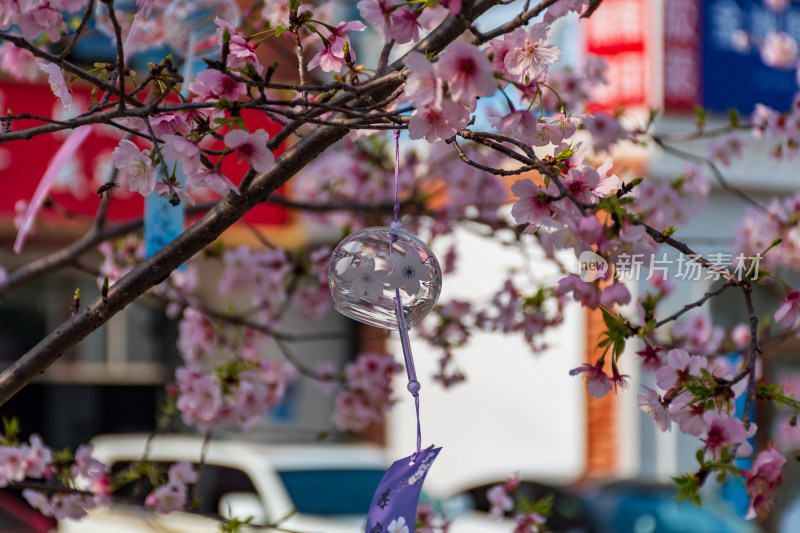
[388,278]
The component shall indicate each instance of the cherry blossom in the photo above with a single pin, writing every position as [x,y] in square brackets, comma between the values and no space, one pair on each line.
[404,26]
[517,123]
[762,480]
[397,525]
[723,432]
[252,147]
[597,381]
[135,166]
[779,50]
[424,85]
[468,72]
[215,181]
[788,313]
[177,148]
[679,367]
[367,283]
[532,206]
[408,271]
[241,52]
[168,123]
[378,13]
[57,82]
[499,500]
[529,54]
[39,17]
[166,499]
[171,190]
[213,85]
[651,403]
[434,123]
[688,415]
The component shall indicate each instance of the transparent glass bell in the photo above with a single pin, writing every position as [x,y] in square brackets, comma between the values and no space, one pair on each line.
[371,268]
[189,25]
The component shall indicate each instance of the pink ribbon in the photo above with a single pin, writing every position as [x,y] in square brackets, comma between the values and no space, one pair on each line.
[66,151]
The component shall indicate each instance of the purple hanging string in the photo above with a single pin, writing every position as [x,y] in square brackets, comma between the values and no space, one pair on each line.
[413,385]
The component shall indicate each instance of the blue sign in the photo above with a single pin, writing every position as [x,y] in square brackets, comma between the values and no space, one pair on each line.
[734,75]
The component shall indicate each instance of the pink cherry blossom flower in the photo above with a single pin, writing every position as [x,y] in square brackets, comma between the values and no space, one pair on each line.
[340,35]
[423,85]
[468,72]
[37,458]
[547,133]
[40,17]
[86,465]
[70,506]
[788,313]
[724,432]
[779,50]
[519,124]
[168,123]
[135,166]
[434,123]
[651,403]
[727,148]
[528,52]
[328,61]
[580,182]
[212,84]
[168,190]
[182,473]
[618,380]
[583,292]
[605,130]
[215,181]
[404,26]
[528,522]
[762,480]
[38,501]
[166,499]
[252,147]
[177,148]
[689,416]
[651,360]
[616,294]
[21,64]
[561,8]
[608,183]
[499,500]
[680,366]
[240,51]
[57,82]
[499,51]
[377,12]
[597,381]
[740,335]
[532,206]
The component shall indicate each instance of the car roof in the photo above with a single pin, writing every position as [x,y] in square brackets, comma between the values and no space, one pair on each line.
[109,448]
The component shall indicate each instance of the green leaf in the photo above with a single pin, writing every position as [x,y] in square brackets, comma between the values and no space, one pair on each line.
[733,114]
[688,489]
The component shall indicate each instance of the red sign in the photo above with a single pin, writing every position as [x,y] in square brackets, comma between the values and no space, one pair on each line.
[23,162]
[682,82]
[619,32]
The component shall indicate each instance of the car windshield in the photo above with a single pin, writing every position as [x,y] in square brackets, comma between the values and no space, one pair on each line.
[331,492]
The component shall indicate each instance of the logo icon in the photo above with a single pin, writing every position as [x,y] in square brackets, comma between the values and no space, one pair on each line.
[592,266]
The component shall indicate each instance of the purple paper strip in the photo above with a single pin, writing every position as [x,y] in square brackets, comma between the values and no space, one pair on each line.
[394,505]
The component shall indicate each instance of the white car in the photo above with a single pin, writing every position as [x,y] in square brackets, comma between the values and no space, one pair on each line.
[309,488]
